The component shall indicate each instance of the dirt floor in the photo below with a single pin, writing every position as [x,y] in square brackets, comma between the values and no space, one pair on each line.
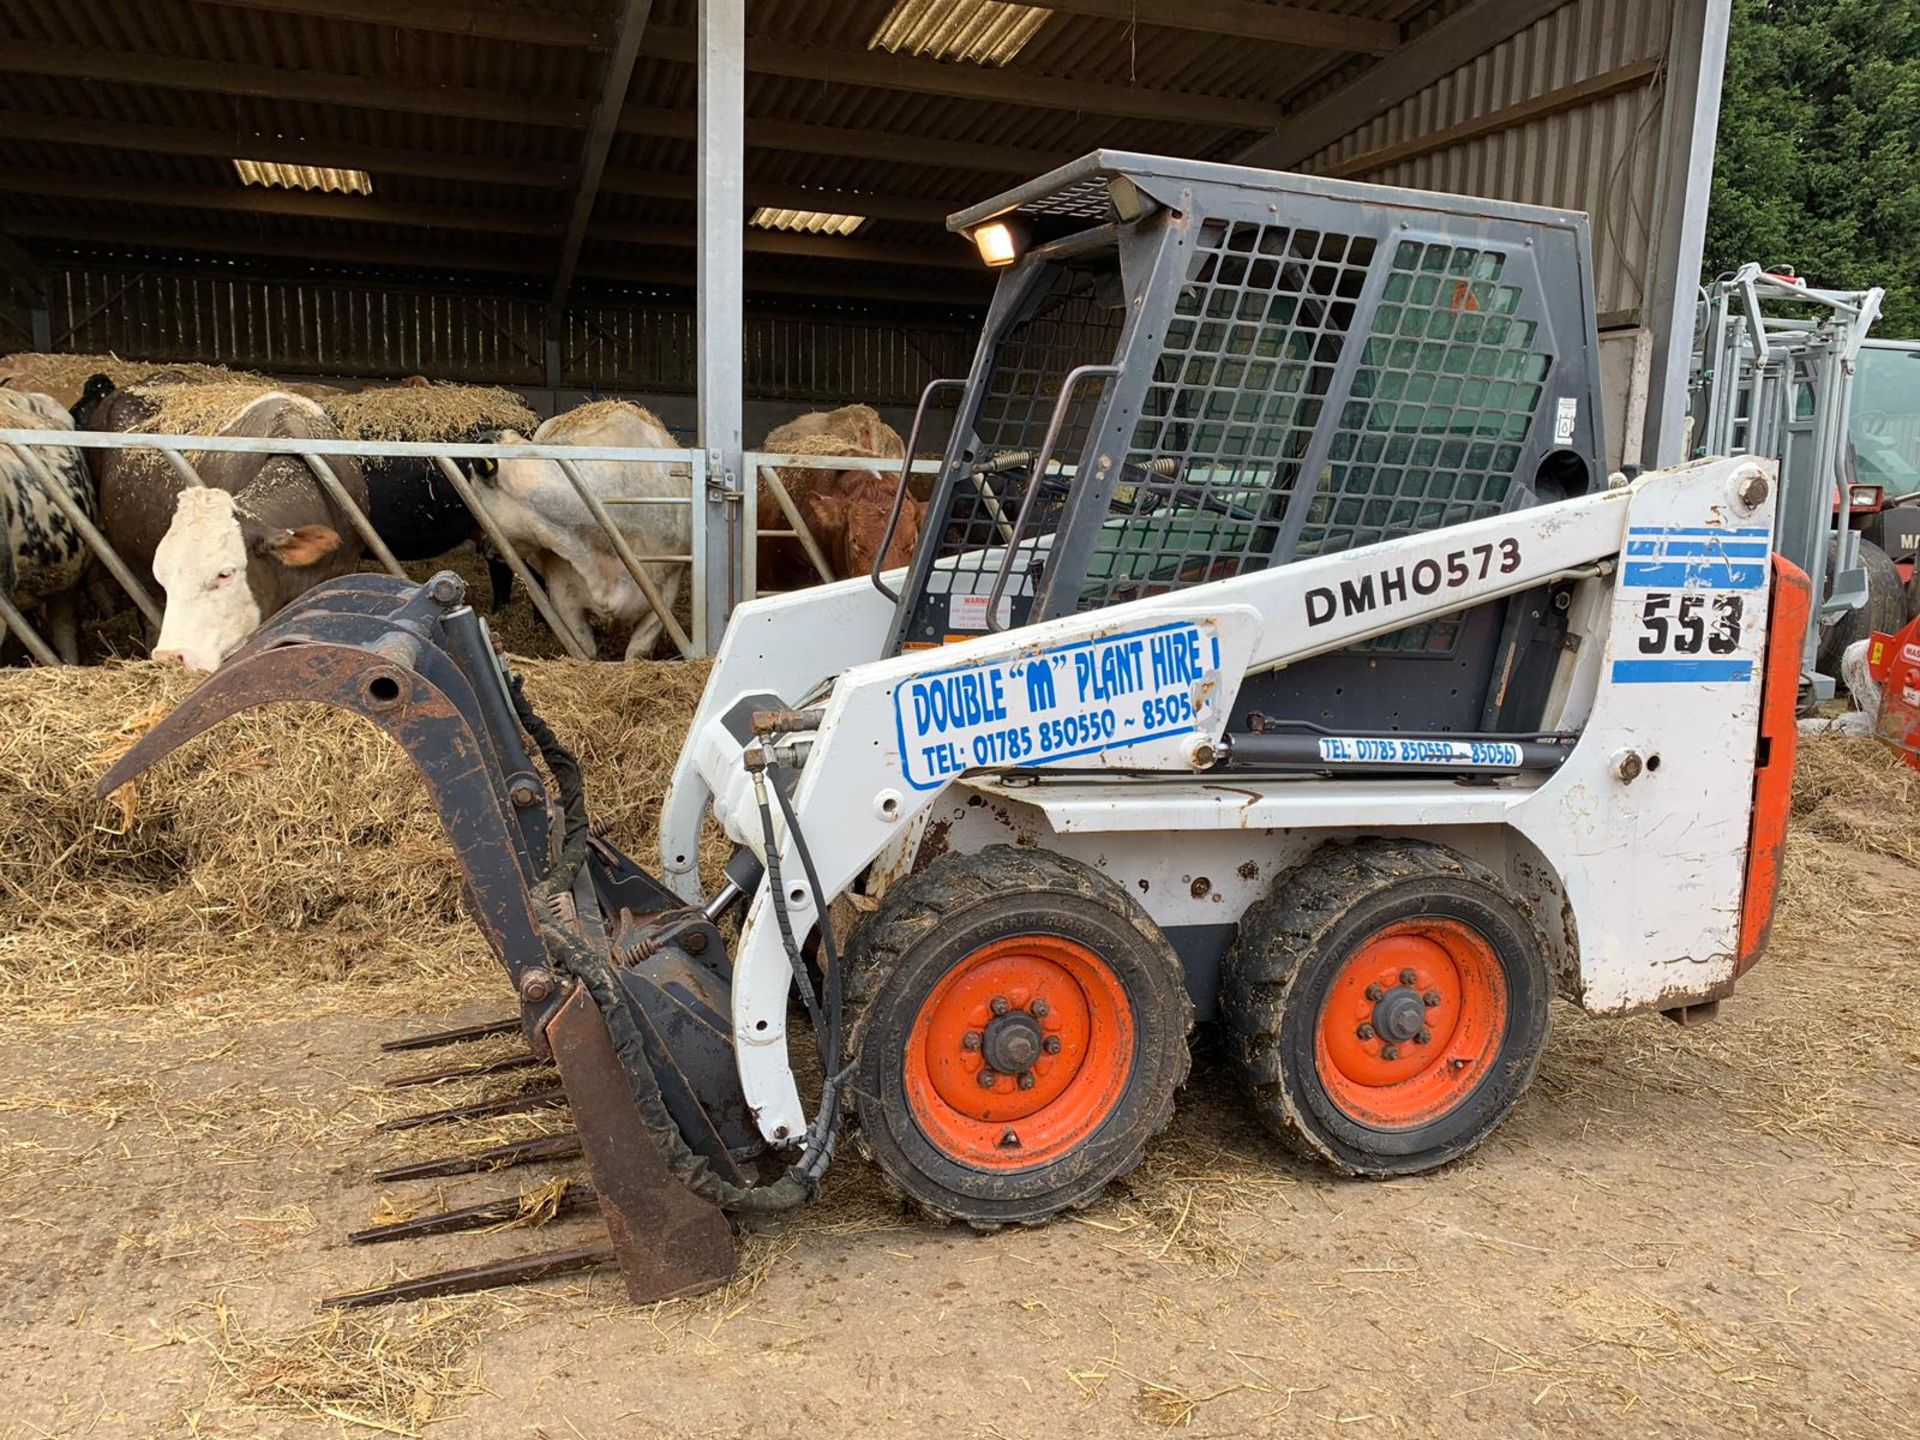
[1711,1231]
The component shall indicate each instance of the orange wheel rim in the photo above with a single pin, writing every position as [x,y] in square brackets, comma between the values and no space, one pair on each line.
[1412,1023]
[1021,1052]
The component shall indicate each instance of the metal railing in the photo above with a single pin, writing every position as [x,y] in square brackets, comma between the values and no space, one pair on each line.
[707,590]
[318,456]
[765,465]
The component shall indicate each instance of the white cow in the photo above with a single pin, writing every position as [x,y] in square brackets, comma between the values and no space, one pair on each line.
[556,534]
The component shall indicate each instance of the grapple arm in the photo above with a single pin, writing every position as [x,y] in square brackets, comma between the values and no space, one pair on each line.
[601,957]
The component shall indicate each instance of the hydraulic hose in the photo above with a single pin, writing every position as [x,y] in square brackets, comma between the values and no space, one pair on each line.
[571,954]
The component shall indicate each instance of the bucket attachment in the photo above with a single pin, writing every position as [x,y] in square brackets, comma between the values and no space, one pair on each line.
[623,990]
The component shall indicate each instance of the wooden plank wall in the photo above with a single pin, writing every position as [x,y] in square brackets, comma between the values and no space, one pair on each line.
[356,328]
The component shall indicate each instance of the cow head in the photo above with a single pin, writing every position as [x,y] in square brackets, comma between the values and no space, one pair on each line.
[224,571]
[97,389]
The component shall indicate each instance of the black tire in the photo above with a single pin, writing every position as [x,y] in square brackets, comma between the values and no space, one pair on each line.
[1295,944]
[1885,610]
[929,930]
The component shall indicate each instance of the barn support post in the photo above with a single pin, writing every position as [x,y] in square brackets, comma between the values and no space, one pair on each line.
[1696,56]
[721,106]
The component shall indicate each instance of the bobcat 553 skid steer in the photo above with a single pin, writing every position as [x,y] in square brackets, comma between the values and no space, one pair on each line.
[1277,652]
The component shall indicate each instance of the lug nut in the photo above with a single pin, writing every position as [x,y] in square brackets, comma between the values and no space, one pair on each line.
[1390,1052]
[1026,1079]
[1432,997]
[1375,991]
[1365,1032]
[1051,1045]
[1425,1037]
[987,1077]
[1407,977]
[999,1005]
[971,1040]
[1039,1009]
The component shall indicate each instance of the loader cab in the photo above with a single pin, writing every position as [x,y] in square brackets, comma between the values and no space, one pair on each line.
[1194,371]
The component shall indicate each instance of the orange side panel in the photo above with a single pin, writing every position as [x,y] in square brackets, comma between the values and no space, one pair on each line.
[1773,758]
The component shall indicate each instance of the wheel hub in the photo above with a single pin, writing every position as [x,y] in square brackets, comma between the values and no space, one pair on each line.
[1411,1022]
[1020,1052]
[1400,1014]
[1012,1042]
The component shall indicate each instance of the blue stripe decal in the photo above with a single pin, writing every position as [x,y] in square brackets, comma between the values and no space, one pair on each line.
[1697,530]
[1676,672]
[1703,574]
[1752,550]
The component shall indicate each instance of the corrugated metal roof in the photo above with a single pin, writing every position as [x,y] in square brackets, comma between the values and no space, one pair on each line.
[1601,157]
[482,134]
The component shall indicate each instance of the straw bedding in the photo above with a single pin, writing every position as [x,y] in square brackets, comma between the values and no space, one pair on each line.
[65,376]
[430,413]
[295,843]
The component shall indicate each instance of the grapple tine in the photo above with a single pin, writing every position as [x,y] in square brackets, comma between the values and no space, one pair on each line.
[548,1099]
[479,1162]
[576,1197]
[506,1025]
[517,1271]
[466,1072]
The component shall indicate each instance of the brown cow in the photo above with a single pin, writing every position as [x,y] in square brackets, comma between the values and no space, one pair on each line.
[845,510]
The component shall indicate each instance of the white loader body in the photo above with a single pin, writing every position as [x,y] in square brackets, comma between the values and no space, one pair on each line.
[1093,735]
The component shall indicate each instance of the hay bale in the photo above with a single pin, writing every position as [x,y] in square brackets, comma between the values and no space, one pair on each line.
[292,844]
[417,409]
[65,376]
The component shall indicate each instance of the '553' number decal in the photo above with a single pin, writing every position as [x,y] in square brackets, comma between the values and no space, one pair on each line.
[1688,623]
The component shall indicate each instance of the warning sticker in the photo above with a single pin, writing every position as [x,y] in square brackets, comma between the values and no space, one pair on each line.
[1564,419]
[1053,704]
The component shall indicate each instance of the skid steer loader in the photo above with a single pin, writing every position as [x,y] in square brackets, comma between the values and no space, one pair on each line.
[1276,652]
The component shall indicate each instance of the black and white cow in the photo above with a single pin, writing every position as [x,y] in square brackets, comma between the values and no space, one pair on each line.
[44,560]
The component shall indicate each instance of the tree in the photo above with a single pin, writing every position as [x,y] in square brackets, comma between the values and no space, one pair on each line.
[1818,165]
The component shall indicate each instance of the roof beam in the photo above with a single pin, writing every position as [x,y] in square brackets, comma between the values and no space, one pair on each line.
[1461,38]
[1509,117]
[253,200]
[258,200]
[89,233]
[820,247]
[444,165]
[124,67]
[974,82]
[854,144]
[600,133]
[229,145]
[1282,24]
[522,24]
[664,185]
